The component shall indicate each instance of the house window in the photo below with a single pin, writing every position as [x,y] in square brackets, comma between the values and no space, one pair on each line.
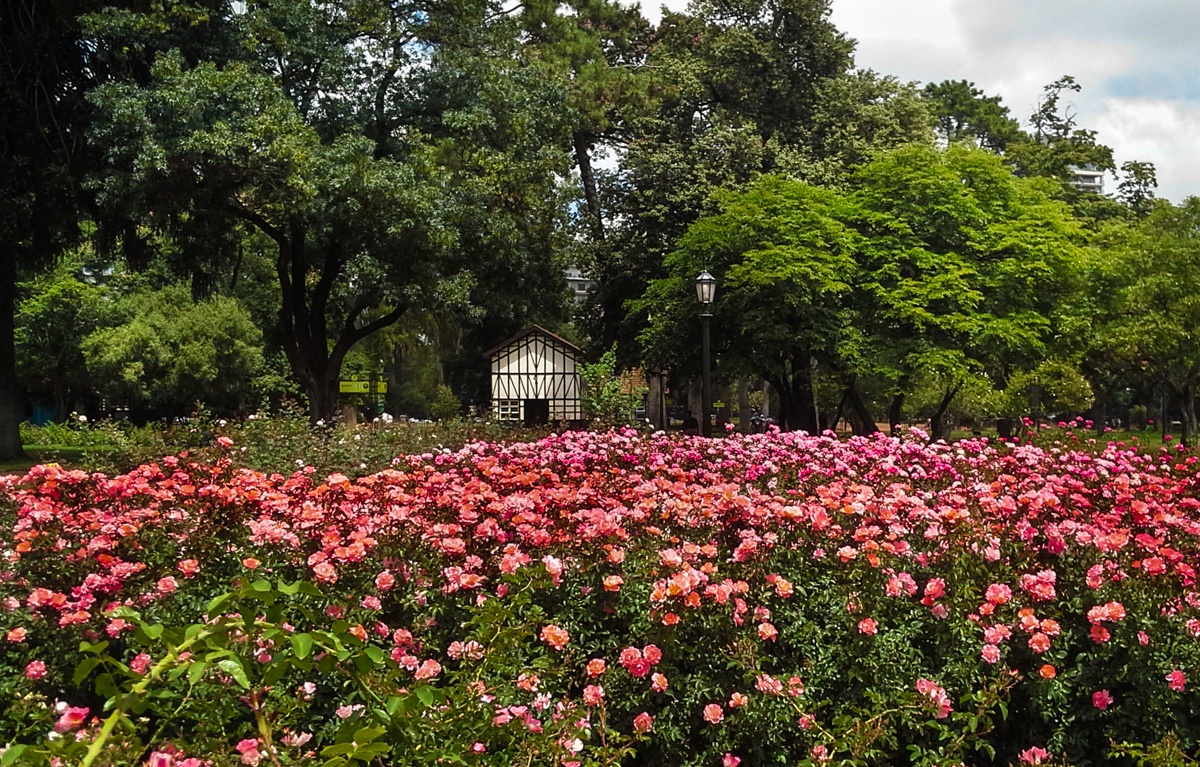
[508,410]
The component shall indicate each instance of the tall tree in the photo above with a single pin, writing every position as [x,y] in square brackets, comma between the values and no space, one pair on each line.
[58,310]
[785,261]
[362,140]
[1056,143]
[45,70]
[965,113]
[597,49]
[1154,325]
[931,260]
[754,87]
[1136,189]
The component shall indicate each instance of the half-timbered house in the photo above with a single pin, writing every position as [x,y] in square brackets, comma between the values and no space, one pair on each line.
[535,378]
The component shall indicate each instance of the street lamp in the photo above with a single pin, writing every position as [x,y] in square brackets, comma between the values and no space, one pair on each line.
[706,290]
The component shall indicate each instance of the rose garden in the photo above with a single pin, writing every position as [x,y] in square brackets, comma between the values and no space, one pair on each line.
[610,599]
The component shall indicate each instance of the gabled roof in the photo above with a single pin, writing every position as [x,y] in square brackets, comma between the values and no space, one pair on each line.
[531,330]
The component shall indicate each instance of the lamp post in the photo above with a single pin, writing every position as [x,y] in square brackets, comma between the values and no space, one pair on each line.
[706,290]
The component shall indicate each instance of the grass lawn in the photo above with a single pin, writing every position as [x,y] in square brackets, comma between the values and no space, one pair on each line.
[35,454]
[1150,439]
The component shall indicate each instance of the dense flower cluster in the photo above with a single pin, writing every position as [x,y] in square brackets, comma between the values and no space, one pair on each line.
[662,587]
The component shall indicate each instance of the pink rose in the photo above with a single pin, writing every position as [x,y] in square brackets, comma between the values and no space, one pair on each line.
[643,723]
[70,719]
[428,670]
[555,636]
[593,695]
[1176,679]
[140,663]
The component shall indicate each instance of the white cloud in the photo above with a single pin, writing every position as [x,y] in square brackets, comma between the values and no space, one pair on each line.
[1161,131]
[1135,61]
[1141,82]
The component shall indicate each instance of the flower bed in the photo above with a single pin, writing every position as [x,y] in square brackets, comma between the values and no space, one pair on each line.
[595,599]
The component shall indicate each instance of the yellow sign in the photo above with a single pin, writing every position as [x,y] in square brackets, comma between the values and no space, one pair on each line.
[718,404]
[361,387]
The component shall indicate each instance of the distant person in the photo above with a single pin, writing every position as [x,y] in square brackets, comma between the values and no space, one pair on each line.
[691,426]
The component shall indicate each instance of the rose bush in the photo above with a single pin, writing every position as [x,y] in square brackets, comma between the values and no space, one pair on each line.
[602,599]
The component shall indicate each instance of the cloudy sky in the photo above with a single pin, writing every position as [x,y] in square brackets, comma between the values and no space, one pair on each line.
[1136,61]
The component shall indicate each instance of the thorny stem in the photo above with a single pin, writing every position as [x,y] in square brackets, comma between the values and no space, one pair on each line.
[166,721]
[264,730]
[138,689]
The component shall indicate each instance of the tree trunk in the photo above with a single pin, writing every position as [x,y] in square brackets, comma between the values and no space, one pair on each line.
[863,422]
[303,320]
[322,400]
[11,402]
[744,411]
[655,405]
[583,158]
[796,407]
[937,426]
[1187,415]
[895,410]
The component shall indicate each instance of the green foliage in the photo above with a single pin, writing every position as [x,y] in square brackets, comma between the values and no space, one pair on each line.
[609,398]
[445,405]
[283,442]
[975,397]
[384,176]
[857,115]
[1052,387]
[1152,311]
[170,353]
[964,113]
[58,311]
[932,262]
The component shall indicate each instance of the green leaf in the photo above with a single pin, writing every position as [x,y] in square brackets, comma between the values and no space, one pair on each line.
[234,668]
[375,653]
[153,630]
[370,751]
[84,668]
[426,695]
[261,585]
[368,734]
[338,749]
[96,648]
[105,686]
[196,671]
[216,602]
[302,645]
[289,589]
[310,589]
[11,754]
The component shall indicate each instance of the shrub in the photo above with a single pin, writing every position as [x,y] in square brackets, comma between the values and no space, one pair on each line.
[609,599]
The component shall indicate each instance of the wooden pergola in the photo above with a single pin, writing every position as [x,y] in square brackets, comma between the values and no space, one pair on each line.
[535,378]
